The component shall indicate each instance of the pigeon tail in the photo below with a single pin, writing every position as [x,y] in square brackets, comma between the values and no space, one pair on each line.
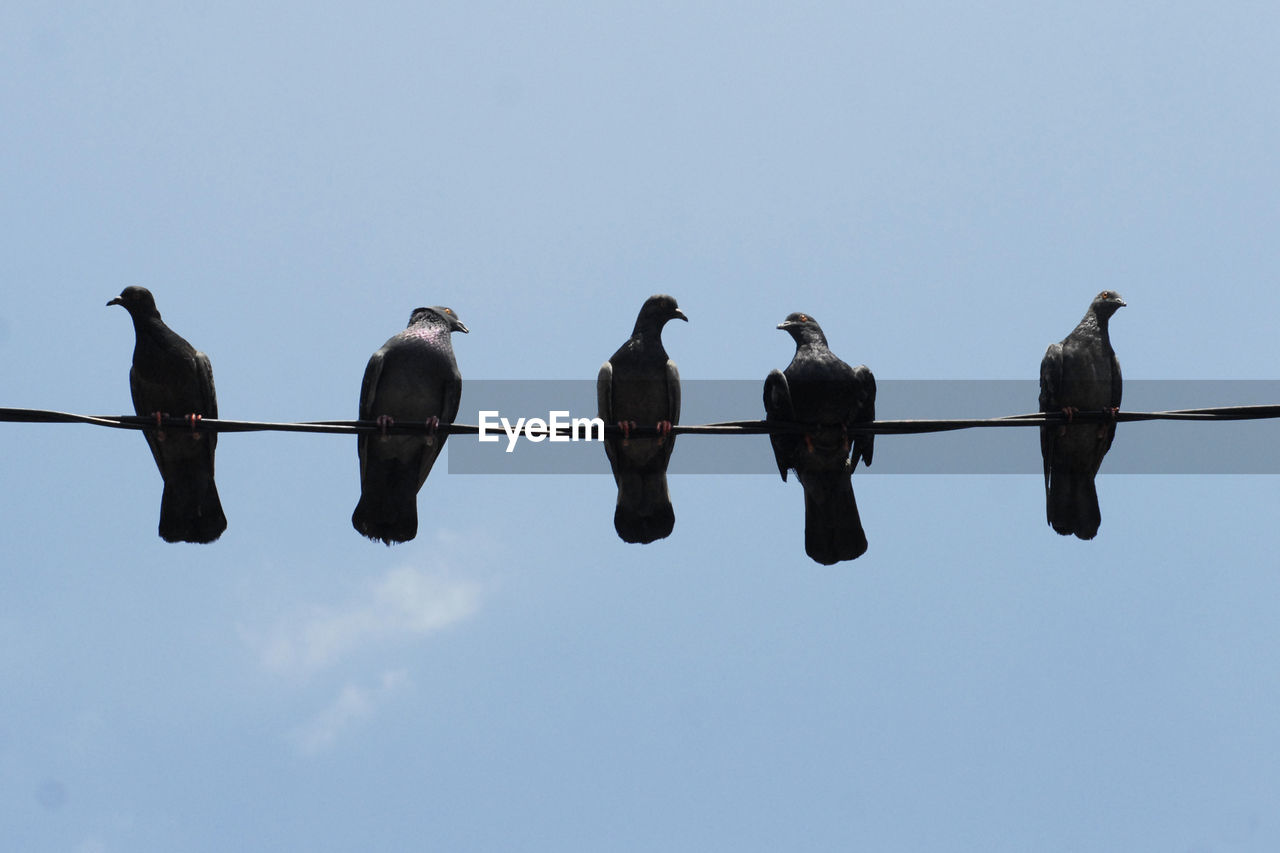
[644,513]
[1072,506]
[388,508]
[832,528]
[190,510]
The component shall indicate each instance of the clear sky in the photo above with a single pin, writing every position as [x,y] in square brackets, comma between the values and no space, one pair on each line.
[944,186]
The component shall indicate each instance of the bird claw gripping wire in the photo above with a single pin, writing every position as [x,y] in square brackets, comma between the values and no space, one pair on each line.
[664,430]
[385,421]
[159,416]
[433,426]
[193,420]
[1068,412]
[1110,414]
[626,427]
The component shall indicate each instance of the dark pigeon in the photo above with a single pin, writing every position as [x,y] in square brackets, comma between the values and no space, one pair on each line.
[639,385]
[412,379]
[169,377]
[821,391]
[1079,374]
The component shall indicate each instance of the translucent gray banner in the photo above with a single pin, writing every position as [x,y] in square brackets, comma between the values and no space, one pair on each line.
[1154,447]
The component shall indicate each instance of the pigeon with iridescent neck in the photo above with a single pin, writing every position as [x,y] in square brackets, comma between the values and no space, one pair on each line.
[828,397]
[413,378]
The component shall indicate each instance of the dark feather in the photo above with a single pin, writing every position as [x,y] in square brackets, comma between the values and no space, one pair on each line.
[640,384]
[828,396]
[171,377]
[1081,373]
[412,378]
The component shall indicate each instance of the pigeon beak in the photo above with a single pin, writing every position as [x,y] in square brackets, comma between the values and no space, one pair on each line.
[784,325]
[1120,303]
[116,301]
[458,326]
[679,315]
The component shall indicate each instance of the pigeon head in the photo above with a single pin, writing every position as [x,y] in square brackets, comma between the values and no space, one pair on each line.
[656,311]
[1106,303]
[803,329]
[438,314]
[138,301]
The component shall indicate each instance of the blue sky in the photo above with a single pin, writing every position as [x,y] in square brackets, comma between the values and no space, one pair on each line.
[944,188]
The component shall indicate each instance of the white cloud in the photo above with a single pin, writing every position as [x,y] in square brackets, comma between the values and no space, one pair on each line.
[405,602]
[400,607]
[352,704]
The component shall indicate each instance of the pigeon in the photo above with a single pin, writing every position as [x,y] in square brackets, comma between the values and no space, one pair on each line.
[169,377]
[413,378]
[1079,374]
[639,385]
[822,392]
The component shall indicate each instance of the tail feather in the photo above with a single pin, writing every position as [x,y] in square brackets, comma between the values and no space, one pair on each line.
[388,507]
[644,513]
[190,510]
[832,528]
[1072,504]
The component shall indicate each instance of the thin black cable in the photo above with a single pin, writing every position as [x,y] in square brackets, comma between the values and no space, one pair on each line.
[879,427]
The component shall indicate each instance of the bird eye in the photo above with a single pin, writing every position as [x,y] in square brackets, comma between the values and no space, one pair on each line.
[448,310]
[804,318]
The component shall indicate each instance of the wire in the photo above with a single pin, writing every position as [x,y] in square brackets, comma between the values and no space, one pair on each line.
[879,427]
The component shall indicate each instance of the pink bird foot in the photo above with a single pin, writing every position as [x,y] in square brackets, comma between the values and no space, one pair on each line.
[626,427]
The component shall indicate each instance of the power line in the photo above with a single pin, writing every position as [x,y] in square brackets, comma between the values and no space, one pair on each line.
[879,427]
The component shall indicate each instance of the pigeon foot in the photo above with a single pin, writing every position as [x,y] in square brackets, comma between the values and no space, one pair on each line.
[626,427]
[1069,412]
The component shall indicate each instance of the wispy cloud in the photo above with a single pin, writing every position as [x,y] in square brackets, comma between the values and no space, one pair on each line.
[405,602]
[344,645]
[352,704]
